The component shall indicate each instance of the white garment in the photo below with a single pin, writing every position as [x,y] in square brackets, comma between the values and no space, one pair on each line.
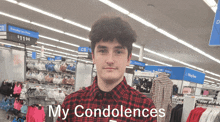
[213,115]
[205,115]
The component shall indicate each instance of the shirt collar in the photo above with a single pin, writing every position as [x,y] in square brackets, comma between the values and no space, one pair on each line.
[116,92]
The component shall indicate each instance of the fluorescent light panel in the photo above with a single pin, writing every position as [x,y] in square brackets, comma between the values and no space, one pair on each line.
[49,14]
[209,81]
[40,11]
[152,60]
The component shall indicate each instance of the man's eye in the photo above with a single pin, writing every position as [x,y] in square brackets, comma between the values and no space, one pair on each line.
[102,51]
[118,52]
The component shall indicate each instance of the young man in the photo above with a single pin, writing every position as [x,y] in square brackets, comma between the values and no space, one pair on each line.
[109,98]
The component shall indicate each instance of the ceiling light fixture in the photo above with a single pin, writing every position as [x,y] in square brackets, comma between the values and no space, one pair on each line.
[77,24]
[67,49]
[14,17]
[212,4]
[12,1]
[209,81]
[78,37]
[139,19]
[161,55]
[75,45]
[56,40]
[46,44]
[49,14]
[40,11]
[212,78]
[152,60]
[47,27]
[49,38]
[115,6]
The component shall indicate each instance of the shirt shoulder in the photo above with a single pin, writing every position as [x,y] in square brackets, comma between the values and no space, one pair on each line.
[77,96]
[139,98]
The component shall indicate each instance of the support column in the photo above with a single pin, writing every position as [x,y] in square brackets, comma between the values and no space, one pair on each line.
[141,53]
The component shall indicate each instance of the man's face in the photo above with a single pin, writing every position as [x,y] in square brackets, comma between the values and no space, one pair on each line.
[111,60]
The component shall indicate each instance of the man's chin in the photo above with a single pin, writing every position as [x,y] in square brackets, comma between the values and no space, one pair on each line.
[110,79]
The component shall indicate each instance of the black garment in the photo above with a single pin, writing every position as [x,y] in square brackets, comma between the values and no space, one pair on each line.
[47,117]
[176,113]
[175,89]
[5,88]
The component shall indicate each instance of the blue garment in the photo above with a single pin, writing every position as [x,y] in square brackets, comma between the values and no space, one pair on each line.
[24,109]
[136,81]
[51,67]
[73,68]
[14,120]
[20,120]
[69,67]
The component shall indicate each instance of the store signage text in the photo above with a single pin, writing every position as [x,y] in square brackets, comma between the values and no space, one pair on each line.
[22,31]
[2,27]
[17,34]
[191,75]
[218,21]
[215,36]
[84,49]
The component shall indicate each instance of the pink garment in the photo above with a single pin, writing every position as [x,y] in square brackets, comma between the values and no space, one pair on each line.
[17,89]
[17,105]
[35,115]
[205,92]
[29,113]
[186,90]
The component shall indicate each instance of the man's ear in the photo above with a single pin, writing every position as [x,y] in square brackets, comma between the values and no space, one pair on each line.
[129,59]
[93,58]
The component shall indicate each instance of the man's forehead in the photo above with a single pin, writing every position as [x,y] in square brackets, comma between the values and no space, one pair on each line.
[109,44]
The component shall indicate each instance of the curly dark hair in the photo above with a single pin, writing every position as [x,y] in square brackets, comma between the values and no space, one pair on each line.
[110,28]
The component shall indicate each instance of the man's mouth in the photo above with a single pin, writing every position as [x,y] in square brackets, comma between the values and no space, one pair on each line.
[109,68]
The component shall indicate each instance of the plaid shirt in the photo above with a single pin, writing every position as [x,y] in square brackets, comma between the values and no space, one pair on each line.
[93,98]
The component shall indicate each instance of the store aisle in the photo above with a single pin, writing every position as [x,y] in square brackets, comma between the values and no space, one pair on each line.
[3,116]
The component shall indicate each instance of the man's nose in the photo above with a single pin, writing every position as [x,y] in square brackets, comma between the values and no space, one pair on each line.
[110,58]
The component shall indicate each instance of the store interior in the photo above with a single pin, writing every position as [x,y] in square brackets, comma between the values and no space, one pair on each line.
[170,33]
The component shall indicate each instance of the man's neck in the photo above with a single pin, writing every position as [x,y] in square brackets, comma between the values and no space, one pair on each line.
[108,86]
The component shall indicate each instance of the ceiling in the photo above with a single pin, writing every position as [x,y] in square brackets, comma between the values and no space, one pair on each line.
[189,20]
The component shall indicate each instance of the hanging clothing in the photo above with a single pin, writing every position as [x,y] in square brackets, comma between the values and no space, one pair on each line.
[213,115]
[17,89]
[161,93]
[176,113]
[17,105]
[24,109]
[175,89]
[217,119]
[195,115]
[206,92]
[187,90]
[205,115]
[35,115]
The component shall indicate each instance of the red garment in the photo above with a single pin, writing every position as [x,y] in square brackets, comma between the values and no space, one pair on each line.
[35,115]
[29,113]
[17,89]
[195,114]
[17,105]
[92,97]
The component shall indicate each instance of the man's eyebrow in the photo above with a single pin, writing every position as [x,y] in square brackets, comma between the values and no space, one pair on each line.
[100,46]
[119,47]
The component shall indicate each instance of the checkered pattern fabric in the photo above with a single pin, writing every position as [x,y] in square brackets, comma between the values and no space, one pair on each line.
[92,98]
[161,93]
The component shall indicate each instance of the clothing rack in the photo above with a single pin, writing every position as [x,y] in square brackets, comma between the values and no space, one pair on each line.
[189,104]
